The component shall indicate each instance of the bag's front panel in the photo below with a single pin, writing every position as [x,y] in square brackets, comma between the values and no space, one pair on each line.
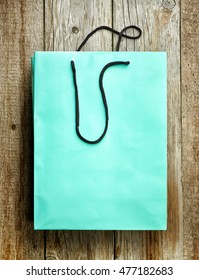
[119,183]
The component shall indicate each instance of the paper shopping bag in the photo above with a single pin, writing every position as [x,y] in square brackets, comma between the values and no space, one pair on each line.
[100,140]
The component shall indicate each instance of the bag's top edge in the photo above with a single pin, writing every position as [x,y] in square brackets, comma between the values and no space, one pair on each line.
[96,52]
[100,52]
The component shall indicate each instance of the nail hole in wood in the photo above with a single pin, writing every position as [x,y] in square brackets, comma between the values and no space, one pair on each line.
[75,30]
[13,126]
[168,4]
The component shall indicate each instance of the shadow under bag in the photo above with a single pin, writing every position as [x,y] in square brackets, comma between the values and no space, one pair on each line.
[100,139]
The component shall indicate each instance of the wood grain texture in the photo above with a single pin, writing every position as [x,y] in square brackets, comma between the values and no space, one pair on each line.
[160,22]
[190,127]
[21,32]
[67,23]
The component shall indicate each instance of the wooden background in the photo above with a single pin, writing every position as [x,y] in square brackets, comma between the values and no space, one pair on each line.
[27,26]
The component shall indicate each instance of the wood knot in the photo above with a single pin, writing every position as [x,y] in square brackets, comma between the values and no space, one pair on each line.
[13,126]
[169,4]
[75,30]
[117,252]
[51,258]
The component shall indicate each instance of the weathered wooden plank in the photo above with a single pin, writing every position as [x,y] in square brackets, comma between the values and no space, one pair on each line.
[67,23]
[160,22]
[80,245]
[21,32]
[190,126]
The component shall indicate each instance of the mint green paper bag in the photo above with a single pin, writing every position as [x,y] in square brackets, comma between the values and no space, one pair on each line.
[120,182]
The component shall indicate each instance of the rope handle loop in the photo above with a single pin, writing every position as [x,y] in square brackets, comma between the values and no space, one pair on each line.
[77,119]
[120,34]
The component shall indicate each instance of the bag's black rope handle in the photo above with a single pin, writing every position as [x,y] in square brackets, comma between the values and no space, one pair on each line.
[121,34]
[103,99]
